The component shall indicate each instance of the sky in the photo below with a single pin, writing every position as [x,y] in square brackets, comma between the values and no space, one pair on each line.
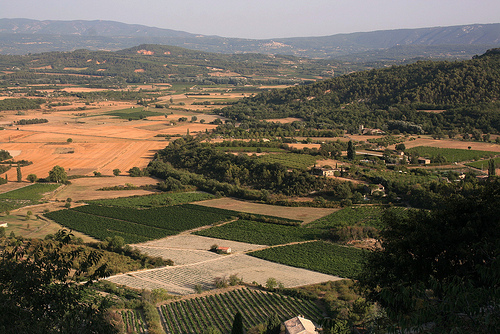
[261,19]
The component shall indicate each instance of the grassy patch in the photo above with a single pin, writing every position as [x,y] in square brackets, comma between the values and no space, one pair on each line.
[261,233]
[290,160]
[324,257]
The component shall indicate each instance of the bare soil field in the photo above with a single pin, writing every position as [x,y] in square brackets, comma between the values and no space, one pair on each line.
[304,214]
[450,143]
[196,243]
[86,188]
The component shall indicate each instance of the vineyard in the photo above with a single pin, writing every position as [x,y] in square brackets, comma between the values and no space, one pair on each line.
[154,200]
[103,227]
[261,233]
[450,154]
[136,225]
[134,322]
[483,164]
[319,256]
[193,316]
[350,216]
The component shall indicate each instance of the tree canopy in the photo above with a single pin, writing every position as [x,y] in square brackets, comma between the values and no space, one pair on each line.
[38,291]
[441,268]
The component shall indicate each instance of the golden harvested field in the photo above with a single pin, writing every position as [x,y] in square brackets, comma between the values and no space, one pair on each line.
[82,145]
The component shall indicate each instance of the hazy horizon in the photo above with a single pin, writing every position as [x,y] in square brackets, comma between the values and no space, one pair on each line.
[264,19]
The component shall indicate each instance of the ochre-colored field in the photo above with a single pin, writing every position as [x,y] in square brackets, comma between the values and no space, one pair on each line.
[84,144]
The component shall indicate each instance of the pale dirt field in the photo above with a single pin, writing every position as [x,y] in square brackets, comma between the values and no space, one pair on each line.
[197,243]
[304,214]
[182,279]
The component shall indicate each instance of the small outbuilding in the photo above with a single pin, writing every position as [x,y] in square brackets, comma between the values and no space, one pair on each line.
[424,161]
[323,171]
[224,250]
[300,325]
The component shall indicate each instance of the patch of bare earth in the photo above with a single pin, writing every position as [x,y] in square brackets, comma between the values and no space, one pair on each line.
[87,188]
[285,120]
[451,143]
[304,214]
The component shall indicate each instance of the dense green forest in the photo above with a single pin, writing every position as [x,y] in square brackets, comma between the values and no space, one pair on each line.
[466,94]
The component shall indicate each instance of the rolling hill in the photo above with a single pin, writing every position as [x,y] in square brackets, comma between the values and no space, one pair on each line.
[22,36]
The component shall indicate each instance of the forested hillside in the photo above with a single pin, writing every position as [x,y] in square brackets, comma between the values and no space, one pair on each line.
[467,91]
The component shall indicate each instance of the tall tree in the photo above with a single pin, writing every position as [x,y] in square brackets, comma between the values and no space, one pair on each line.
[491,167]
[58,175]
[19,174]
[273,325]
[237,324]
[351,150]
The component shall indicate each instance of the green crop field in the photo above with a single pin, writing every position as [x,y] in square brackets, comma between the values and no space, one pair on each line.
[450,154]
[28,195]
[136,225]
[290,160]
[350,216]
[194,316]
[154,200]
[325,257]
[261,233]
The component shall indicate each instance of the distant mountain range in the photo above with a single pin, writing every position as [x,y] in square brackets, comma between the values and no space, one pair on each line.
[23,36]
